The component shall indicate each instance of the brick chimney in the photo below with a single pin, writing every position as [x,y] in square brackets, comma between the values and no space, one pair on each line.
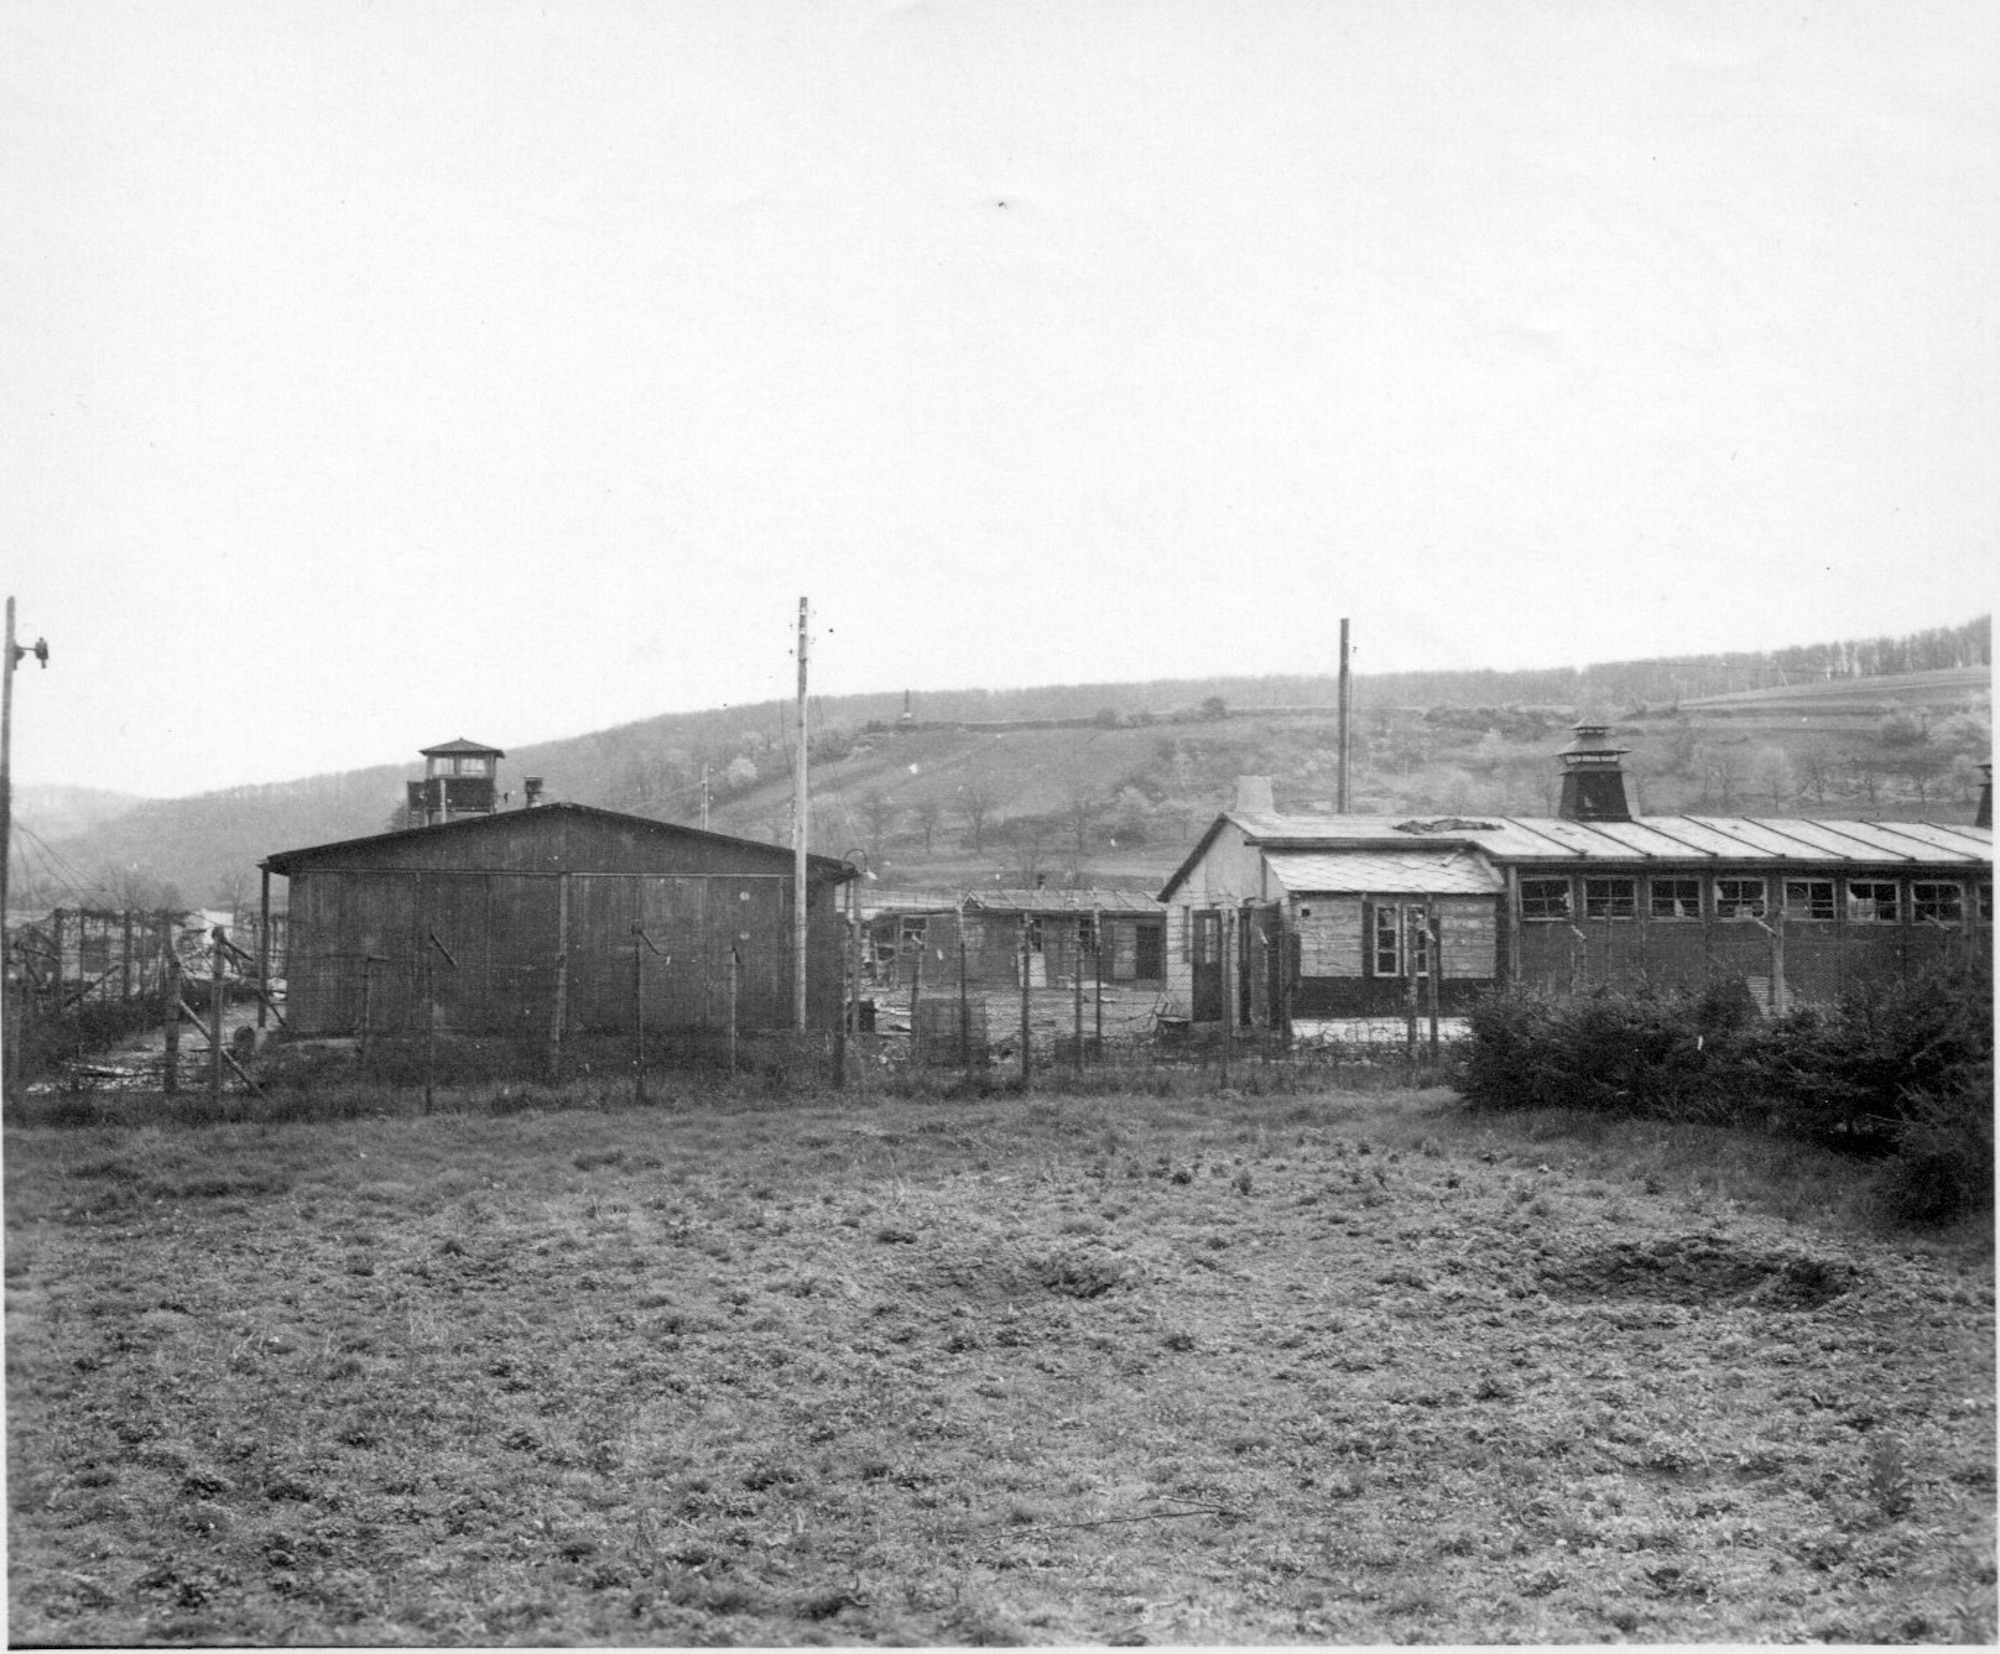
[1593,782]
[1984,816]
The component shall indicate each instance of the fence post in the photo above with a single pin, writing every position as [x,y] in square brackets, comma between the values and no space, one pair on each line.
[1076,980]
[560,1014]
[170,984]
[218,959]
[263,947]
[1097,972]
[367,994]
[1412,921]
[734,965]
[1778,996]
[1435,925]
[638,1014]
[964,1003]
[1027,1042]
[430,1027]
[1228,945]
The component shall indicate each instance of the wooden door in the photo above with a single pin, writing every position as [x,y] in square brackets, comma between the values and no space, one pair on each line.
[1205,953]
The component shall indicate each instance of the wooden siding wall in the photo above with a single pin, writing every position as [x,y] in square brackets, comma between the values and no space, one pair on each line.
[362,942]
[993,948]
[1784,961]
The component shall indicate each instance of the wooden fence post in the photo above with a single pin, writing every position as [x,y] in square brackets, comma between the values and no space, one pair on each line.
[1027,1027]
[218,962]
[1434,924]
[560,1014]
[1227,940]
[170,995]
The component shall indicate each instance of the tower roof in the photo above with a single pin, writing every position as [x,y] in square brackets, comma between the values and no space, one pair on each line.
[459,749]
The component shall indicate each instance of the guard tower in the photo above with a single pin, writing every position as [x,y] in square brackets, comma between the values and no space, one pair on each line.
[1593,781]
[458,781]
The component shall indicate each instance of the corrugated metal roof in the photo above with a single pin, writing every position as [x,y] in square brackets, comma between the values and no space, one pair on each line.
[1426,873]
[877,898]
[1963,843]
[1062,901]
[1648,838]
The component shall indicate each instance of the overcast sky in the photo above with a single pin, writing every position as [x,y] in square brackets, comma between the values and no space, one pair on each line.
[381,373]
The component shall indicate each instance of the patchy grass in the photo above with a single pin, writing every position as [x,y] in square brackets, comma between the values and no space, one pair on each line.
[1115,1369]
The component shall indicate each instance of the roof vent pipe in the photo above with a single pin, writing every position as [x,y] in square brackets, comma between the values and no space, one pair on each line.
[1593,781]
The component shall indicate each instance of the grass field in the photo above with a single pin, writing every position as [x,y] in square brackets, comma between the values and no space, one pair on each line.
[1189,1370]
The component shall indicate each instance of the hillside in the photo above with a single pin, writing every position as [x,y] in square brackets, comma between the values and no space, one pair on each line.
[51,813]
[979,788]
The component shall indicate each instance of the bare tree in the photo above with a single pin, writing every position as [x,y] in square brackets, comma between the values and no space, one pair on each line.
[1776,779]
[1029,838]
[1721,771]
[1082,810]
[927,813]
[976,803]
[878,816]
[1818,774]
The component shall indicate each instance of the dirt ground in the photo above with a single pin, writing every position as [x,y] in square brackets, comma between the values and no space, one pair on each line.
[1184,1370]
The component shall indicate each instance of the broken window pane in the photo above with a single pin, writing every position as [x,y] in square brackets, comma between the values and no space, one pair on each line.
[1872,901]
[1545,898]
[1610,898]
[1674,898]
[1739,898]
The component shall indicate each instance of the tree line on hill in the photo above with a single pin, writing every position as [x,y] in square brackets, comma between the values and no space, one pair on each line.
[1455,741]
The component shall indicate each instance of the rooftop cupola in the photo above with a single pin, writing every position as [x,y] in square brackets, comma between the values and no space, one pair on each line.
[1593,782]
[458,781]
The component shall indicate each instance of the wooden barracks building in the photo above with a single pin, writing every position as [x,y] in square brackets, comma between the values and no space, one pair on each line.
[1279,915]
[549,919]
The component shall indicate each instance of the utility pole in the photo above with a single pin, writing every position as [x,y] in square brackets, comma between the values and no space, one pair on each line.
[1340,804]
[12,658]
[800,827]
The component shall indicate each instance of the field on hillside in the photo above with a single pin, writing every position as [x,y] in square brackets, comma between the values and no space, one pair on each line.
[1190,1370]
[1834,698]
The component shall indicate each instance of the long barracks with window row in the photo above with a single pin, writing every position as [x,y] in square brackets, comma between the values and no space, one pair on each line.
[1275,916]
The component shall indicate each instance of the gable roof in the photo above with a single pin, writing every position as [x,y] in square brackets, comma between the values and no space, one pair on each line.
[1415,872]
[817,867]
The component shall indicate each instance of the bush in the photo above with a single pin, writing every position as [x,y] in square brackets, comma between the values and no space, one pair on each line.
[1943,1169]
[1852,1077]
[1902,1069]
[1646,1051]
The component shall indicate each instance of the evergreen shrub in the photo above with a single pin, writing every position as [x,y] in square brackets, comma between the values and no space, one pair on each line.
[1899,1068]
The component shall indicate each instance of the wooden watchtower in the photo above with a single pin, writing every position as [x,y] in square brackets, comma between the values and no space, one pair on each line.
[458,781]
